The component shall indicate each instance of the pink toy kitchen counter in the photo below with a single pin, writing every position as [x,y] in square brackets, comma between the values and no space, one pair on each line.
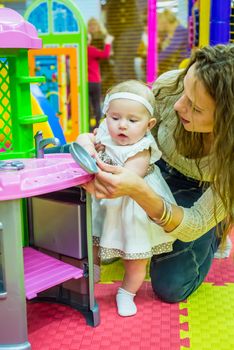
[40,175]
[35,176]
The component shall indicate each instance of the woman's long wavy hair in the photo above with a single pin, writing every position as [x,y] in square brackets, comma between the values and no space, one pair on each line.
[214,67]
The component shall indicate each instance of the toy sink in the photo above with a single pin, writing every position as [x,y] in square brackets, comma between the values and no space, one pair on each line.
[34,176]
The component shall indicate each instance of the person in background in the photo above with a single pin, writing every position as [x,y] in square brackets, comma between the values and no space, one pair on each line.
[99,32]
[141,56]
[94,74]
[172,42]
[121,228]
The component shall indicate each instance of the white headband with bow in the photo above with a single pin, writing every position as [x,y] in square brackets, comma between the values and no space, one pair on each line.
[128,96]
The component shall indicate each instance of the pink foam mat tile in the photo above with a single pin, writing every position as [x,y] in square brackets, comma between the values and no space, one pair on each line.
[156,325]
[222,270]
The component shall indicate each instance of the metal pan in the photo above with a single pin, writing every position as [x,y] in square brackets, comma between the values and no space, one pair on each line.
[83,158]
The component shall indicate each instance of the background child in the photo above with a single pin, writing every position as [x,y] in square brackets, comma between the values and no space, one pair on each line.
[94,74]
[121,227]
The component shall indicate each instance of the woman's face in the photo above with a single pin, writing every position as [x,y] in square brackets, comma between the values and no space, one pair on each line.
[93,27]
[195,107]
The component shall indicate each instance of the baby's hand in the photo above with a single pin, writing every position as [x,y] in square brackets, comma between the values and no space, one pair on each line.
[87,141]
[94,149]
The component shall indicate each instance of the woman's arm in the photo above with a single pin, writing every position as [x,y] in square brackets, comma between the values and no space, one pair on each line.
[101,54]
[112,182]
[187,224]
[205,214]
[93,52]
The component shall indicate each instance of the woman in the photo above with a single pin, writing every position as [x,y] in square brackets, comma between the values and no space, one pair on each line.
[98,33]
[172,41]
[196,137]
[94,74]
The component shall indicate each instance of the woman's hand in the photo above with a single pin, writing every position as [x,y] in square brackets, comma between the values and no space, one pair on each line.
[114,181]
[89,187]
[108,39]
[111,181]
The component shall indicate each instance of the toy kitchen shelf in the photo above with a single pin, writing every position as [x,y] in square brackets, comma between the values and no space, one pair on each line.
[54,263]
[42,272]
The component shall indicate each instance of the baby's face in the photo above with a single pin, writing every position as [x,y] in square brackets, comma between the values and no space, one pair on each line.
[127,121]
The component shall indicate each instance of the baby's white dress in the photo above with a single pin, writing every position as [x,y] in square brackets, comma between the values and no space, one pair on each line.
[121,227]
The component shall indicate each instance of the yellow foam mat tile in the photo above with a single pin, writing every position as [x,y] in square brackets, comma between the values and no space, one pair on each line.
[209,314]
[115,272]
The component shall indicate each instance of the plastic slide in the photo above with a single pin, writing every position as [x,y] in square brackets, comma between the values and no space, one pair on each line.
[40,105]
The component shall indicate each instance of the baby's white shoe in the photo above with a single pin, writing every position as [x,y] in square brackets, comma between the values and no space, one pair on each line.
[125,303]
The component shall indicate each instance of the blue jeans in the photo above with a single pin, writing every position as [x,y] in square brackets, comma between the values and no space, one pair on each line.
[175,275]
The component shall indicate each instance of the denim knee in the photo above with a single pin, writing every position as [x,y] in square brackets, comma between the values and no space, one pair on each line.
[175,275]
[171,289]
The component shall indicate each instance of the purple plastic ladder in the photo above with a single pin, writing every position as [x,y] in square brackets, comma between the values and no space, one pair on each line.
[42,272]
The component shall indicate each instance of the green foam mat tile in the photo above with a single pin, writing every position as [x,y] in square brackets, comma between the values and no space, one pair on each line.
[115,272]
[112,272]
[210,317]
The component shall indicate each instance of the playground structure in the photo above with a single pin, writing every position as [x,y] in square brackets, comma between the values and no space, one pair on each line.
[63,88]
[63,61]
[16,124]
[209,22]
[40,105]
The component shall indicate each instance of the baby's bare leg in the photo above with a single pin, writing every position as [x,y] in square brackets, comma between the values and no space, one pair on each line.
[135,271]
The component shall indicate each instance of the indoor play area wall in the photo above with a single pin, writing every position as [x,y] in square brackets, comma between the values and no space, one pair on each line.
[134,25]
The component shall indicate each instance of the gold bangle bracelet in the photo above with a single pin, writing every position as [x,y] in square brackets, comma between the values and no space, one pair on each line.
[166,215]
